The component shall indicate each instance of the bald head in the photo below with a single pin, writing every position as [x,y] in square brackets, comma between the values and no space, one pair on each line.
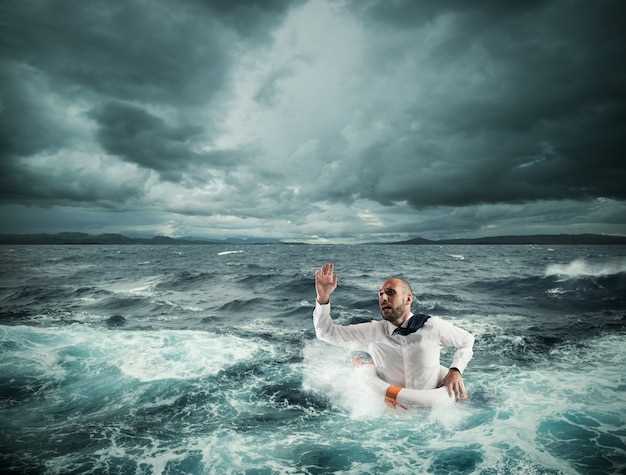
[401,281]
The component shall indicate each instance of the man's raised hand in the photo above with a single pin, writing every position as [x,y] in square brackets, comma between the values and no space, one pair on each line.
[325,282]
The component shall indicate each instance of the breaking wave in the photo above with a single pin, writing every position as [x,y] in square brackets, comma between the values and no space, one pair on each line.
[581,268]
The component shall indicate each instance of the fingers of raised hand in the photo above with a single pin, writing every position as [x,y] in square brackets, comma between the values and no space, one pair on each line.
[328,268]
[326,272]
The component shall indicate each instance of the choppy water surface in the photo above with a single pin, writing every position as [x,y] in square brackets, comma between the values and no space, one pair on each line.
[192,359]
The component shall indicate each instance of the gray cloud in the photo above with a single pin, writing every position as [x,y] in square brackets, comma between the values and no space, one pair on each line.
[93,55]
[374,117]
[410,14]
[139,137]
[512,105]
[145,51]
[26,127]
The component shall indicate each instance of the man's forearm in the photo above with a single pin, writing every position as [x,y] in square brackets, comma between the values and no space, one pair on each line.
[353,336]
[463,341]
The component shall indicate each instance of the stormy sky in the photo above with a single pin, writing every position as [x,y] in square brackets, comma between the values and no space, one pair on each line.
[322,121]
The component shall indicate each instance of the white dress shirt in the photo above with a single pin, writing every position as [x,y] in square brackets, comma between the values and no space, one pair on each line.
[410,361]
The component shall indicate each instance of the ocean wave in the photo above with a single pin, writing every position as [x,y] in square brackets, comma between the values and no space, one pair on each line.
[581,268]
[29,295]
[143,286]
[288,395]
[13,316]
[569,401]
[603,291]
[116,303]
[368,304]
[224,253]
[557,291]
[438,297]
[185,280]
[69,258]
[296,284]
[304,285]
[271,329]
[434,307]
[241,305]
[142,355]
[255,279]
[91,292]
[301,312]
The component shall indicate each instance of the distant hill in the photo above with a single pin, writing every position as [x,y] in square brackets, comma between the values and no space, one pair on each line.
[84,238]
[552,239]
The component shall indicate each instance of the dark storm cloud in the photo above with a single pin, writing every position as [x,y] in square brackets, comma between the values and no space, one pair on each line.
[151,51]
[371,116]
[411,14]
[26,127]
[147,140]
[92,55]
[250,18]
[533,107]
[33,165]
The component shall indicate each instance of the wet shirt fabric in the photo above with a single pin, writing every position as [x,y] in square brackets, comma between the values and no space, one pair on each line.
[412,360]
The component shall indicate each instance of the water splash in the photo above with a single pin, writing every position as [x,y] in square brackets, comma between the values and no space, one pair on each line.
[582,268]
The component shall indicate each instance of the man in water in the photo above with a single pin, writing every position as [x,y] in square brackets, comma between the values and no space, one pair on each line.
[405,347]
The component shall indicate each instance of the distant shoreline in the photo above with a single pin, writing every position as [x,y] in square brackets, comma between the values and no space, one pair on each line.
[538,239]
[120,239]
[115,239]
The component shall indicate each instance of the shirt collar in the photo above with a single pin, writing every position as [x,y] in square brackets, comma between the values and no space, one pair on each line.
[391,327]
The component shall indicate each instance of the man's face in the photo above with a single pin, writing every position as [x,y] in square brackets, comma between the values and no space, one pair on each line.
[394,301]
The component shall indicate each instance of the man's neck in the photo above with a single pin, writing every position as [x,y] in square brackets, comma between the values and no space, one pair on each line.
[405,319]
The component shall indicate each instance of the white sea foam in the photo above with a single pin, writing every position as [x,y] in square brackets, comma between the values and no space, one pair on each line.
[505,431]
[268,326]
[481,324]
[459,257]
[178,354]
[223,253]
[328,370]
[527,400]
[582,268]
[143,287]
[143,355]
[556,291]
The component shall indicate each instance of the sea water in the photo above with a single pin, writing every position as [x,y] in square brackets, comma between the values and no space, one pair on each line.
[203,359]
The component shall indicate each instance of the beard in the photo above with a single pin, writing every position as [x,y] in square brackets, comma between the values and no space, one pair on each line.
[393,314]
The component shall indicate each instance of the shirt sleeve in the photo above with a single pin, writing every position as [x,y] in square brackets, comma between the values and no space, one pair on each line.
[355,337]
[463,341]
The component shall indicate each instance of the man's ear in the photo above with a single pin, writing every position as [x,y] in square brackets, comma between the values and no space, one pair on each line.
[409,298]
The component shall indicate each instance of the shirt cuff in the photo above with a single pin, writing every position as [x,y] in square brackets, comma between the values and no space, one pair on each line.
[460,365]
